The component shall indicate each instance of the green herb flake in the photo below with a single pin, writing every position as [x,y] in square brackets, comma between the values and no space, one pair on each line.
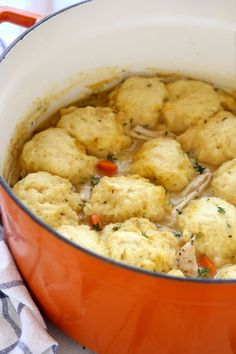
[149,85]
[145,235]
[94,180]
[116,228]
[203,272]
[177,234]
[199,168]
[220,210]
[111,157]
[138,223]
[96,227]
[179,211]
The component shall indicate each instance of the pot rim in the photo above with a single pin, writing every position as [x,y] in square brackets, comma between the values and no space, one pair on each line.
[20,204]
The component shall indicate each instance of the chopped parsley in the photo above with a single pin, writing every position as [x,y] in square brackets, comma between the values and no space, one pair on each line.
[143,233]
[177,234]
[115,228]
[111,157]
[203,272]
[220,210]
[96,227]
[95,180]
[179,211]
[199,168]
[138,223]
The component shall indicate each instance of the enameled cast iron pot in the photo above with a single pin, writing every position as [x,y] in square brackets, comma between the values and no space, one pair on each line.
[109,307]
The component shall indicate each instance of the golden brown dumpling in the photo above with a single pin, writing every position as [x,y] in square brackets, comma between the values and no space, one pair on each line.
[96,128]
[51,198]
[189,101]
[163,161]
[140,100]
[214,141]
[54,150]
[119,198]
[213,223]
[223,184]
[138,242]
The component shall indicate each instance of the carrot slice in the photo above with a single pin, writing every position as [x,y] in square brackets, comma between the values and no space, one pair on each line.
[107,167]
[95,221]
[205,262]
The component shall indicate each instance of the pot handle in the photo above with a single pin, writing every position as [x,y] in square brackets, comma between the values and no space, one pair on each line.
[19,17]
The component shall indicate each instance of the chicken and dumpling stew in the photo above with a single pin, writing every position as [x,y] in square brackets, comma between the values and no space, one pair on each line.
[144,173]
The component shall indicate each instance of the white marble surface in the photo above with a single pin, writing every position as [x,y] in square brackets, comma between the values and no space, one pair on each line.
[66,345]
[8,33]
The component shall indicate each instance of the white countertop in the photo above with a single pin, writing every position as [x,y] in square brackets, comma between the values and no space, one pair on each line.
[66,345]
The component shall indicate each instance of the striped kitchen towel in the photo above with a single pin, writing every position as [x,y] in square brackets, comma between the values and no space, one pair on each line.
[22,328]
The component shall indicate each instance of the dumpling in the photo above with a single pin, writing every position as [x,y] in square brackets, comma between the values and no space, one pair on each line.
[119,198]
[140,99]
[138,242]
[163,161]
[223,184]
[213,223]
[54,150]
[97,129]
[176,273]
[214,141]
[189,101]
[51,198]
[84,237]
[227,272]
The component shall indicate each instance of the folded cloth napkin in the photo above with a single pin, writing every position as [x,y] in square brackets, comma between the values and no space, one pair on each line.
[22,328]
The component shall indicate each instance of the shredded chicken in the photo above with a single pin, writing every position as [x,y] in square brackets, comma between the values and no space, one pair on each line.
[85,192]
[193,190]
[139,132]
[187,260]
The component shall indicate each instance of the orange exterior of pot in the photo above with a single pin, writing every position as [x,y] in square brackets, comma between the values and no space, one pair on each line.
[113,309]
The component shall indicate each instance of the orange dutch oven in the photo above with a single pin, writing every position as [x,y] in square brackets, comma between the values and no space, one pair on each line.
[109,307]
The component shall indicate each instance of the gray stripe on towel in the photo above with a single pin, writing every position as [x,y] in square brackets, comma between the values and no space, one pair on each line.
[54,348]
[20,307]
[24,348]
[11,284]
[12,323]
[2,295]
[8,349]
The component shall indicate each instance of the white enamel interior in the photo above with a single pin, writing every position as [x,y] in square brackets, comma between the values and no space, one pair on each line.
[188,36]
